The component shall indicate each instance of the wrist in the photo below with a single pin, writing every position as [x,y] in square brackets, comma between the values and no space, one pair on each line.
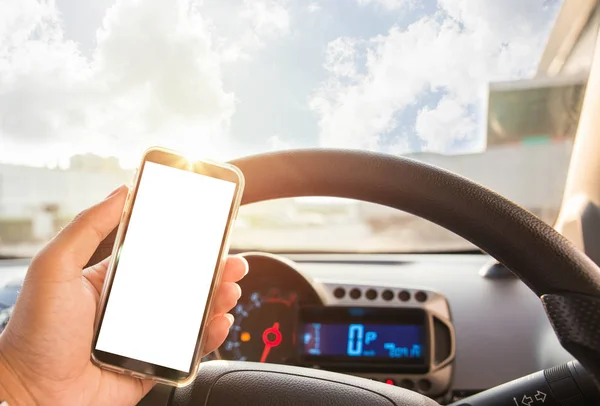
[12,389]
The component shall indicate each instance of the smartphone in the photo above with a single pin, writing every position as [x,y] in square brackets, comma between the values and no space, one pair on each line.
[165,267]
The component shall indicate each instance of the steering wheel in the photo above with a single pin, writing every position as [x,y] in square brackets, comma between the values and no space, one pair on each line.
[565,279]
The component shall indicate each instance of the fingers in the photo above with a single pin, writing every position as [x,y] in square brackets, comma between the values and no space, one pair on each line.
[218,329]
[229,293]
[96,274]
[69,251]
[236,268]
[227,297]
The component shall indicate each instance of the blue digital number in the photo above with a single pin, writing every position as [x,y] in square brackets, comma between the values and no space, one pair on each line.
[403,352]
[355,339]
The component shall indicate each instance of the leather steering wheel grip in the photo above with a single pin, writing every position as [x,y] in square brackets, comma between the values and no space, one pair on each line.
[530,248]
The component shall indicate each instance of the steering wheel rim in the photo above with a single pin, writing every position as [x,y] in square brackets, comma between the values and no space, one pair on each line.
[565,279]
[434,194]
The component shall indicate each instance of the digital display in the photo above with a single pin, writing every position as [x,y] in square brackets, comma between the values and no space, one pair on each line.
[166,266]
[364,340]
[340,336]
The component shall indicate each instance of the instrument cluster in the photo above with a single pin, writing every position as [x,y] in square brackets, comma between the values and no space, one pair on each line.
[395,334]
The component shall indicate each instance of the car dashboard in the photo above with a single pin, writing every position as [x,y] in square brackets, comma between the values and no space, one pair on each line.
[468,332]
[431,323]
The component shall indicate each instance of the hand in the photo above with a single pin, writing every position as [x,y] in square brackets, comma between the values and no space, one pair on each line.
[45,348]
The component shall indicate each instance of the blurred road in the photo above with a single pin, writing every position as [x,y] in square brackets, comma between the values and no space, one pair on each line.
[415,235]
[11,269]
[351,237]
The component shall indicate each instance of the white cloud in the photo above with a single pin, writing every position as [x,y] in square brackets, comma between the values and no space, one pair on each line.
[445,124]
[268,17]
[263,20]
[156,73]
[153,78]
[388,4]
[276,143]
[340,57]
[455,52]
[313,7]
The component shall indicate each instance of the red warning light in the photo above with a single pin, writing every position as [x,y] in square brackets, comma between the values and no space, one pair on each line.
[389,381]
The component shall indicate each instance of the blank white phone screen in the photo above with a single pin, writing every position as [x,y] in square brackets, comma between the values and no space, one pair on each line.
[167,261]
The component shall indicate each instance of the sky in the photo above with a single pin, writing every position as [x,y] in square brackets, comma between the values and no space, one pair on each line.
[226,78]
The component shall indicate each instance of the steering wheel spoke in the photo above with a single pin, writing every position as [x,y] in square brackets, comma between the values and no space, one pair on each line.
[258,384]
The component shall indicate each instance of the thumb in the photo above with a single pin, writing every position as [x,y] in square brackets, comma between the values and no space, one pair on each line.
[65,256]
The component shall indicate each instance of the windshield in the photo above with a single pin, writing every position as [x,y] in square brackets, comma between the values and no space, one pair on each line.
[85,88]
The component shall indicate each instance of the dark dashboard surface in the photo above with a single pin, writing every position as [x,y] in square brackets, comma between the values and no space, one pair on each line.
[501,329]
[502,332]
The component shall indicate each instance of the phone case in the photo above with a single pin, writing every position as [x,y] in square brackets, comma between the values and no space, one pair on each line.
[209,308]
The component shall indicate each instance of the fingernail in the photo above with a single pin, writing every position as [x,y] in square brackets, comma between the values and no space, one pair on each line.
[229,317]
[114,192]
[247,266]
[239,289]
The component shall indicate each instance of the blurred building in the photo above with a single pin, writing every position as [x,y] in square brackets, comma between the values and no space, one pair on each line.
[36,202]
[94,163]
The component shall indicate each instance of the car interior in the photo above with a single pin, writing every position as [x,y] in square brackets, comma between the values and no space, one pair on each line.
[515,321]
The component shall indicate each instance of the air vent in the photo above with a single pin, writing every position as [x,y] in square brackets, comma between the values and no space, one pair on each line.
[443,341]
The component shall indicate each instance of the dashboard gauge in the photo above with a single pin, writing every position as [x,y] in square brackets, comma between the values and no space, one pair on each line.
[264,329]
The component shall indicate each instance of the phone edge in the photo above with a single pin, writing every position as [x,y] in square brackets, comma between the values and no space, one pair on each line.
[197,357]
